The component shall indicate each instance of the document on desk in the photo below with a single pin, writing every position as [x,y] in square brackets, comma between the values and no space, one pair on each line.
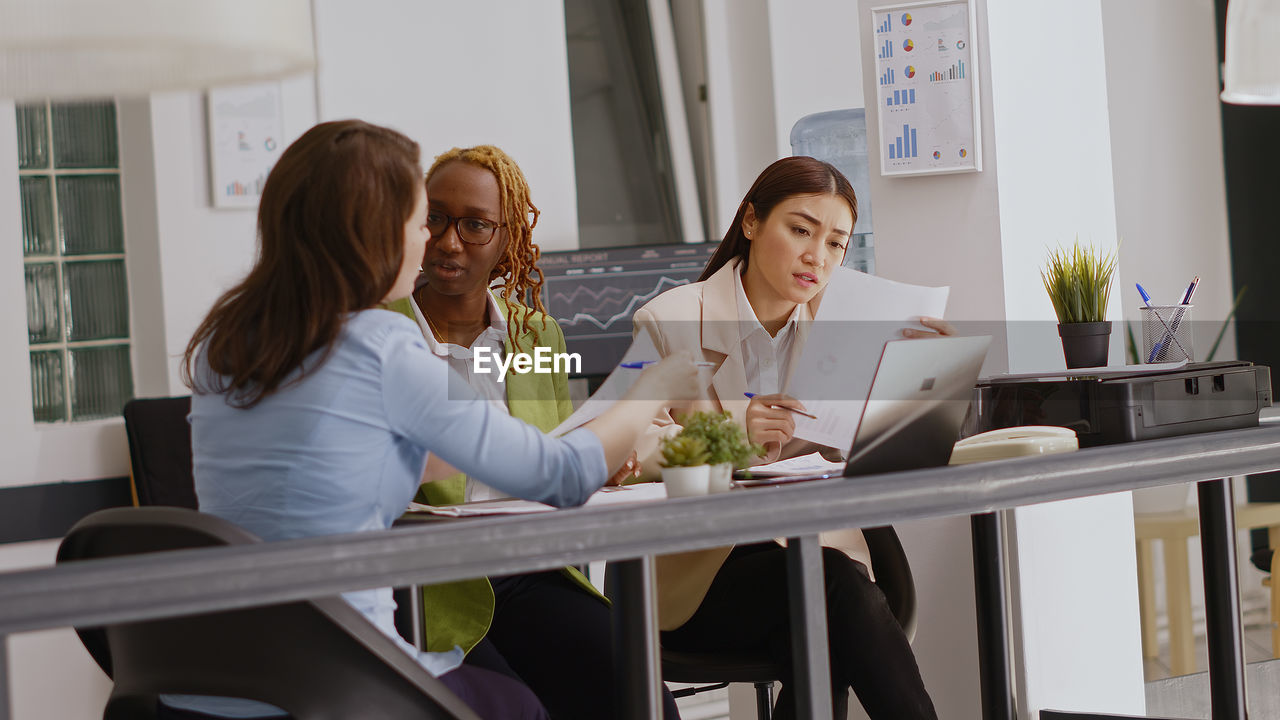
[640,492]
[811,464]
[858,314]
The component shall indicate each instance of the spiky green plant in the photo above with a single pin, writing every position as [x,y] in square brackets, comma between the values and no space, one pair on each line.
[1078,281]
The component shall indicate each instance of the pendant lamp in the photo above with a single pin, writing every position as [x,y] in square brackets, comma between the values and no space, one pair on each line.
[91,48]
[1251,71]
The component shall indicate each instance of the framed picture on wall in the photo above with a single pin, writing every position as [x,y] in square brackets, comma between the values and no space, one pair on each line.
[245,131]
[927,88]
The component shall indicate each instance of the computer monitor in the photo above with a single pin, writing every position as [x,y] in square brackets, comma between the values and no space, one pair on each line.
[594,293]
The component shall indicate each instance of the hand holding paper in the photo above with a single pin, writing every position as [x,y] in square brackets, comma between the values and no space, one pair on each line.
[859,313]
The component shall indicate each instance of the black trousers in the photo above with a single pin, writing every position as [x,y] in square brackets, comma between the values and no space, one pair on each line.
[746,609]
[555,637]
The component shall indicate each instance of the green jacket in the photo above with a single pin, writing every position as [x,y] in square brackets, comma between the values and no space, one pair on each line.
[460,613]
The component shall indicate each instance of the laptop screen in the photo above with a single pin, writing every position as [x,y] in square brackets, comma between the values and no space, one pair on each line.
[917,403]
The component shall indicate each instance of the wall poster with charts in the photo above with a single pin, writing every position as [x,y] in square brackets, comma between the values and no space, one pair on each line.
[245,128]
[927,88]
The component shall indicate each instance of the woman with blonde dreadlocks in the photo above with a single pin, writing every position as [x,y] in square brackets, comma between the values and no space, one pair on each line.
[549,629]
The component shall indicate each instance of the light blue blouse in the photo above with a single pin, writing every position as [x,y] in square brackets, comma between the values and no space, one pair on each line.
[343,451]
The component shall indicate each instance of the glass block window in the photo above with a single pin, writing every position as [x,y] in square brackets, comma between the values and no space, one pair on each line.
[73,251]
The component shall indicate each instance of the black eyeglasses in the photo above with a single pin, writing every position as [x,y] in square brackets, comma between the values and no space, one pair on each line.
[471,230]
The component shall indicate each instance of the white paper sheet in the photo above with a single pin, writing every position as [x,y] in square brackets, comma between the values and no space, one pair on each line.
[858,315]
[641,492]
[811,464]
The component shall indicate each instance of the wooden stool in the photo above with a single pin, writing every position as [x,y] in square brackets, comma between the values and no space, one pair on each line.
[1173,529]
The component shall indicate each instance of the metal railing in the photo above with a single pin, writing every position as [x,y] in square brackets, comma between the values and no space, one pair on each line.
[192,581]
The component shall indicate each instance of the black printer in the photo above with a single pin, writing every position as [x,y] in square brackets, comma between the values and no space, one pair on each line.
[1194,398]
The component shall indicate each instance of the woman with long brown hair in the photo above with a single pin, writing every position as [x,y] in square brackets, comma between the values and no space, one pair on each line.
[315,412]
[749,315]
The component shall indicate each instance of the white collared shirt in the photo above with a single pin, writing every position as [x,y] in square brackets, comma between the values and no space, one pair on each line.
[486,385]
[766,359]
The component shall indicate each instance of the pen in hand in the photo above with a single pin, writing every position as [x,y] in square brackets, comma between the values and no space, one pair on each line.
[784,407]
[638,364]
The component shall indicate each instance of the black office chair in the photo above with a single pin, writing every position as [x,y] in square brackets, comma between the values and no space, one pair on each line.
[316,659]
[160,458]
[893,576]
[160,451]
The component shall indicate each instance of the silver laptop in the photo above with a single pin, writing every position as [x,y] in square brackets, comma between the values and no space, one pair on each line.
[914,410]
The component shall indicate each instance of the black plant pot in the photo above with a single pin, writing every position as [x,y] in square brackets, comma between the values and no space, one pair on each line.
[1085,344]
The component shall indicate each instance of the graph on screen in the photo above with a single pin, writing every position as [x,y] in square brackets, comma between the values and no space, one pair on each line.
[594,293]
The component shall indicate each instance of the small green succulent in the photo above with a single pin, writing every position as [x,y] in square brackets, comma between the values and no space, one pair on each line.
[725,440]
[684,451]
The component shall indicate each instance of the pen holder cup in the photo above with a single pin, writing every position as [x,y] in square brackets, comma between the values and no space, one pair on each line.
[1166,334]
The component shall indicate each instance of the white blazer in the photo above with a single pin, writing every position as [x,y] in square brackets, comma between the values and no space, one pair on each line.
[702,319]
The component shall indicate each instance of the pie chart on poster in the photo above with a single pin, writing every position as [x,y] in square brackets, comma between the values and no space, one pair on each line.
[908,45]
[906,19]
[911,71]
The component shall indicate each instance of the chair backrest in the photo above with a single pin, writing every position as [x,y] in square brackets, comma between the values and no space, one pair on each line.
[160,451]
[317,659]
[893,575]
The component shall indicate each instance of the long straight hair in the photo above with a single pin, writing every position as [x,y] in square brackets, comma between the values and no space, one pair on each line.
[331,242]
[785,178]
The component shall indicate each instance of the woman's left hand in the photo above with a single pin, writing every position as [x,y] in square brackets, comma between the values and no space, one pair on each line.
[937,327]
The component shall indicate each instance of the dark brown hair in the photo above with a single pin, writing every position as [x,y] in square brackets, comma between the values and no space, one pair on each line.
[785,178]
[331,242]
[518,266]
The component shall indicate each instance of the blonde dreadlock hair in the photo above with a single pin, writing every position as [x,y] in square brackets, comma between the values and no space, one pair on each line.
[518,267]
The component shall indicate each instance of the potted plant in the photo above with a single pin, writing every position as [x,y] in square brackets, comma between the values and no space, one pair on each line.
[727,446]
[684,464]
[1078,281]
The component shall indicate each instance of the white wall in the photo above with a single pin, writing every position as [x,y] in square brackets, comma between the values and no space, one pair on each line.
[740,101]
[815,58]
[1166,146]
[450,73]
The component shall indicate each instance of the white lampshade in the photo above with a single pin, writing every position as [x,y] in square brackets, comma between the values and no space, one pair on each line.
[1251,72]
[79,48]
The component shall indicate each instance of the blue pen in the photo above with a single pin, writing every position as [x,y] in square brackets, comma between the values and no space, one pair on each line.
[784,407]
[641,363]
[1146,299]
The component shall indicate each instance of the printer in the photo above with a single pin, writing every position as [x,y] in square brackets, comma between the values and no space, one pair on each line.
[1113,408]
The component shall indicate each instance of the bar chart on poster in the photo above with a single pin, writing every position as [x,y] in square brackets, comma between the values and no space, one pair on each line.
[927,89]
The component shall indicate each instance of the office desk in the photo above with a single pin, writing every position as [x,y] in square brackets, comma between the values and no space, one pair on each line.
[190,581]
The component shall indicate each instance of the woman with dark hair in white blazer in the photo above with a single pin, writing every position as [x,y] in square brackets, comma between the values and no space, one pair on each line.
[749,314]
